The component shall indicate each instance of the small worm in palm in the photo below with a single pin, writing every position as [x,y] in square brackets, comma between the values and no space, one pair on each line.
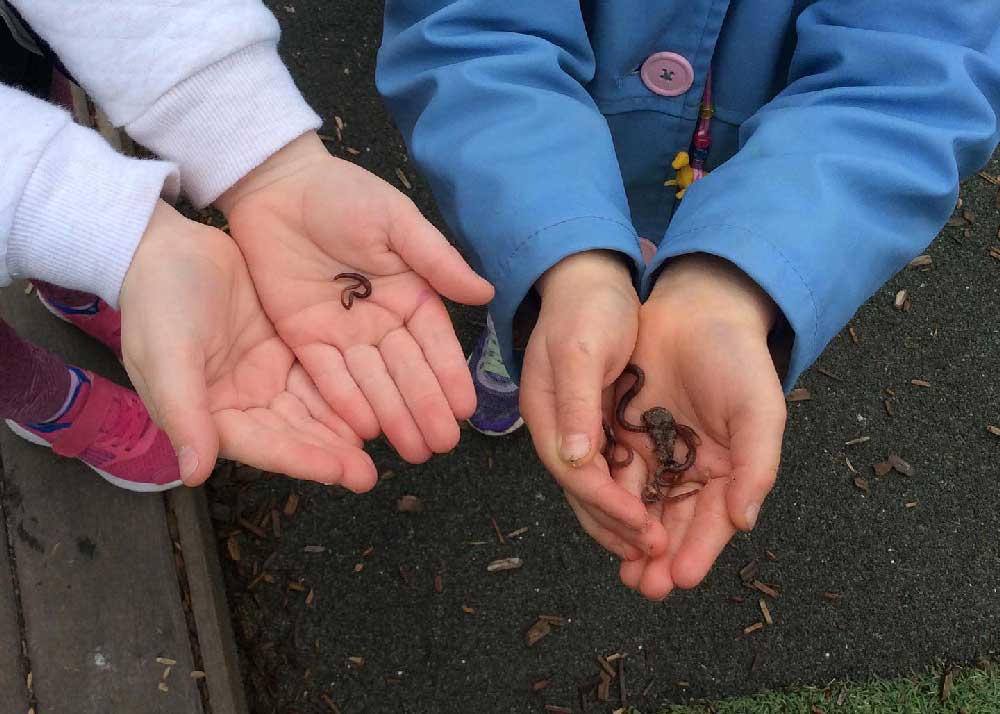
[351,292]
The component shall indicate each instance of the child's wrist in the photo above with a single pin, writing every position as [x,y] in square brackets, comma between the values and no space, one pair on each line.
[588,270]
[707,285]
[303,150]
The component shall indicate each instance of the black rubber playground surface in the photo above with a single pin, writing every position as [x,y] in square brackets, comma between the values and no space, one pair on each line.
[872,583]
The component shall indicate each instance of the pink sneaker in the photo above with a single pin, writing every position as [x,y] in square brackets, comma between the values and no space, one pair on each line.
[99,320]
[108,428]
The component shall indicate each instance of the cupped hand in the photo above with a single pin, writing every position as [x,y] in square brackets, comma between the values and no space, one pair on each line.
[702,344]
[213,372]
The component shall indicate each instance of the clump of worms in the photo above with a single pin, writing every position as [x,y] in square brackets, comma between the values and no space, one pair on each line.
[664,432]
[361,288]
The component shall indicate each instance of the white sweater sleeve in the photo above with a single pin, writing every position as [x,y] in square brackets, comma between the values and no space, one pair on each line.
[72,210]
[198,82]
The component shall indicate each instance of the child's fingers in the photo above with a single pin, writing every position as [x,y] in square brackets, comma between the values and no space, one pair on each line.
[630,572]
[176,395]
[578,376]
[755,448]
[262,438]
[709,532]
[429,254]
[328,370]
[431,327]
[302,387]
[605,536]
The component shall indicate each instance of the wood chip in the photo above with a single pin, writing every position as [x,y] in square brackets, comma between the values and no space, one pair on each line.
[831,596]
[162,686]
[995,430]
[502,564]
[995,253]
[468,610]
[539,684]
[166,661]
[900,466]
[310,598]
[358,567]
[409,504]
[367,552]
[736,599]
[339,122]
[900,301]
[166,673]
[604,687]
[921,261]
[556,709]
[887,403]
[314,549]
[297,585]
[331,705]
[828,373]
[765,611]
[853,334]
[989,179]
[351,150]
[946,682]
[861,483]
[291,505]
[438,583]
[956,222]
[554,619]
[516,533]
[920,383]
[606,666]
[540,629]
[276,524]
[749,571]
[969,216]
[912,504]
[770,555]
[882,468]
[496,529]
[197,674]
[765,588]
[356,662]
[859,440]
[750,629]
[257,531]
[403,180]
[800,394]
[622,690]
[233,548]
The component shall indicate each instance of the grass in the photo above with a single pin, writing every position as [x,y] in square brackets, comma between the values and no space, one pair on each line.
[972,691]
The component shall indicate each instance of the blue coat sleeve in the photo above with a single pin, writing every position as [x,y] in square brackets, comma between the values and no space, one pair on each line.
[854,167]
[490,99]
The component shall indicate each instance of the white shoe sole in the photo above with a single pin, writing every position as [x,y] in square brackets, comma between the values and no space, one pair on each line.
[114,480]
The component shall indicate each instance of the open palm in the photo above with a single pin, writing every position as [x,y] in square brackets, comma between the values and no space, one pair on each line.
[392,361]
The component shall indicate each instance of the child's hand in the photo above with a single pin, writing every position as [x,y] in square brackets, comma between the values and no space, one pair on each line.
[211,369]
[393,360]
[703,346]
[582,340]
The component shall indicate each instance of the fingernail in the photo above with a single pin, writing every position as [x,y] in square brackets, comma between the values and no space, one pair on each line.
[751,514]
[187,460]
[575,448]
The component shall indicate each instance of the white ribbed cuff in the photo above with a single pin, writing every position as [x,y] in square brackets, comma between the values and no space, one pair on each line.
[226,120]
[83,212]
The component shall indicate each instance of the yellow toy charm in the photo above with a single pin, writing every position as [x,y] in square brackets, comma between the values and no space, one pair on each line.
[685,173]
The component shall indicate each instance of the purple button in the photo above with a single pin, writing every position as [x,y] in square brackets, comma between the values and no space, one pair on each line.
[667,74]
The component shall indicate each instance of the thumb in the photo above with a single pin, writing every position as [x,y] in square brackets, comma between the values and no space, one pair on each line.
[578,378]
[176,396]
[755,446]
[428,253]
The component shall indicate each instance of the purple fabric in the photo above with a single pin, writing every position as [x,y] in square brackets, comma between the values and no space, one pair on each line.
[64,296]
[34,382]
